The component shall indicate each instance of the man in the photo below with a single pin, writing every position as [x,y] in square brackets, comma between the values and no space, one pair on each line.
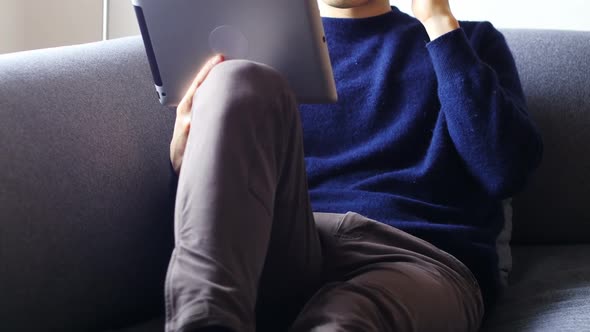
[429,135]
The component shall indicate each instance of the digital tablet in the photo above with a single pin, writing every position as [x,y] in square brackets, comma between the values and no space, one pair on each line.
[181,35]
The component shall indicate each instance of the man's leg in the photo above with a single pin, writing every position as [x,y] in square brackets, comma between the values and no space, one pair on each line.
[383,279]
[244,231]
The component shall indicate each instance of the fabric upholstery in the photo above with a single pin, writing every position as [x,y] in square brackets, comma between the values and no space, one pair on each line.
[555,74]
[85,220]
[549,291]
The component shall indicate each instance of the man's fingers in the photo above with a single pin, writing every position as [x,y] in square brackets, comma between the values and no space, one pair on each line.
[201,76]
[206,69]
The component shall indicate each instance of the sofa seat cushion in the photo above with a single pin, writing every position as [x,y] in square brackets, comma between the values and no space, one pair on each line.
[549,290]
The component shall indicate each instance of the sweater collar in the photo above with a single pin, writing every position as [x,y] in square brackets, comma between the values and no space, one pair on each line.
[359,27]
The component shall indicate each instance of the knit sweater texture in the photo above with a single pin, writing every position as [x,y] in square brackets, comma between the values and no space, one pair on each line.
[427,136]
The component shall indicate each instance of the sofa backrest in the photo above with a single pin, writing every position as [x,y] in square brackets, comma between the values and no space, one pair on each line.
[555,72]
[85,216]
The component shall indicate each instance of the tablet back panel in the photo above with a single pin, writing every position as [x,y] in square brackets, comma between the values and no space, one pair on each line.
[180,35]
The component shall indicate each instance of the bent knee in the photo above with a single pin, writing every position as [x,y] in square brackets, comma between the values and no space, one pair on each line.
[238,90]
[247,76]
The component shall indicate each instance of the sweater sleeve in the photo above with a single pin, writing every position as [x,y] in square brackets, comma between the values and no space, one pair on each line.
[485,108]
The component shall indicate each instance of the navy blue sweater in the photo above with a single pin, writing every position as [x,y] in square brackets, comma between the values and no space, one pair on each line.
[428,137]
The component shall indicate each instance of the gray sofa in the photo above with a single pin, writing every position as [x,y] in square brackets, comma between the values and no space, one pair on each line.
[86,223]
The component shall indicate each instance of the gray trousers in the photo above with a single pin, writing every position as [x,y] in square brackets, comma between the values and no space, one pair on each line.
[249,253]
